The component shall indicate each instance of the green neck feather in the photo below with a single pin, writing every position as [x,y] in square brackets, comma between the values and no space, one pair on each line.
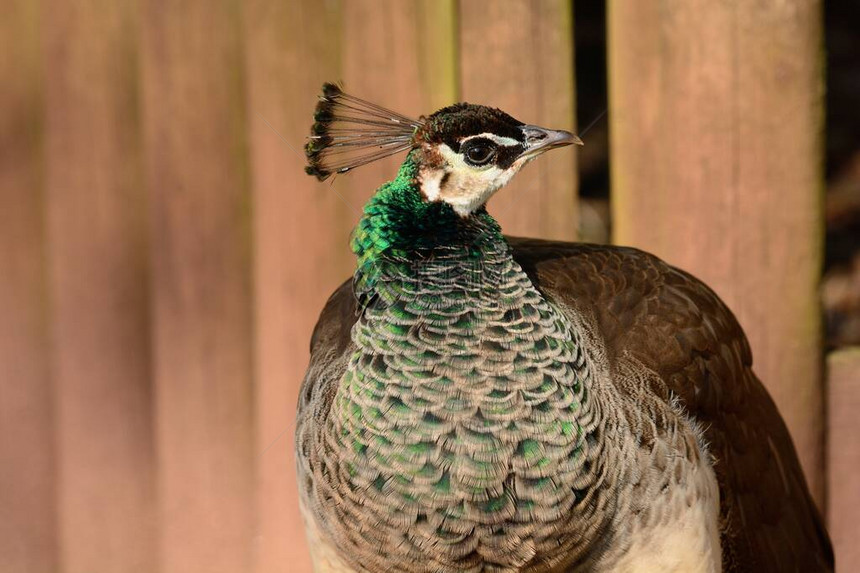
[399,227]
[464,416]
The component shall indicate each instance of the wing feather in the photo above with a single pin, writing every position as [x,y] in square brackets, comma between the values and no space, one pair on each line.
[677,326]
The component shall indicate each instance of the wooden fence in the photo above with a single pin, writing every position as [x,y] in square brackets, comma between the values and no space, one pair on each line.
[163,257]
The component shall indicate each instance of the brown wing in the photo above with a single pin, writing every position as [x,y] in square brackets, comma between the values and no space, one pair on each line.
[677,326]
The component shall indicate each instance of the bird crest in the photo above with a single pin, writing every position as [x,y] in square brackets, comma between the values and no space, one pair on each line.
[349,132]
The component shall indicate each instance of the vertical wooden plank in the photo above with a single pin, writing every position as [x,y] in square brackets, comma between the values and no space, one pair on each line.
[843,456]
[197,185]
[716,123]
[398,54]
[27,467]
[100,335]
[518,56]
[300,241]
[435,26]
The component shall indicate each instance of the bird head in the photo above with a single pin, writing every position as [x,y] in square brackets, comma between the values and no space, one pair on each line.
[468,152]
[464,152]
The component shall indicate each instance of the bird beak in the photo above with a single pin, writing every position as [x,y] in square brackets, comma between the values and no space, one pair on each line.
[539,139]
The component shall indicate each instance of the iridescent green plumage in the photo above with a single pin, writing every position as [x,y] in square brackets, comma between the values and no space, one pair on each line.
[400,228]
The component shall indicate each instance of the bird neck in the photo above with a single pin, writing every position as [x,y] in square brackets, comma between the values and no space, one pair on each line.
[466,408]
[400,227]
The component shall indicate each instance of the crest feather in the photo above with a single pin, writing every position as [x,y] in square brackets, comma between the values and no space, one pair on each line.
[349,132]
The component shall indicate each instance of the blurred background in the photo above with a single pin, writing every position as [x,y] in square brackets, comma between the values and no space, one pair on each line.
[163,257]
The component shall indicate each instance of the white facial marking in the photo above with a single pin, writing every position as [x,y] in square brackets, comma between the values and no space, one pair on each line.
[431,180]
[466,187]
[499,139]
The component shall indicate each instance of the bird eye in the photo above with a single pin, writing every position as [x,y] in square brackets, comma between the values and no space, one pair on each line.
[479,153]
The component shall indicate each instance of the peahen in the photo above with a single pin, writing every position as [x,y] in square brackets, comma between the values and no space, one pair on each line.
[476,402]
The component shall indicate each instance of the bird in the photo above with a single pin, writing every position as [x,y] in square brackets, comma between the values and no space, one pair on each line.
[477,402]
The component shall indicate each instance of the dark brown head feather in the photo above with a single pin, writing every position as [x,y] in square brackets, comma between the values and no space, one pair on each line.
[452,123]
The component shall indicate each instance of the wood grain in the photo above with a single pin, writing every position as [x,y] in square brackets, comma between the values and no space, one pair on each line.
[843,455]
[518,56]
[99,288]
[200,231]
[27,464]
[300,236]
[716,122]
